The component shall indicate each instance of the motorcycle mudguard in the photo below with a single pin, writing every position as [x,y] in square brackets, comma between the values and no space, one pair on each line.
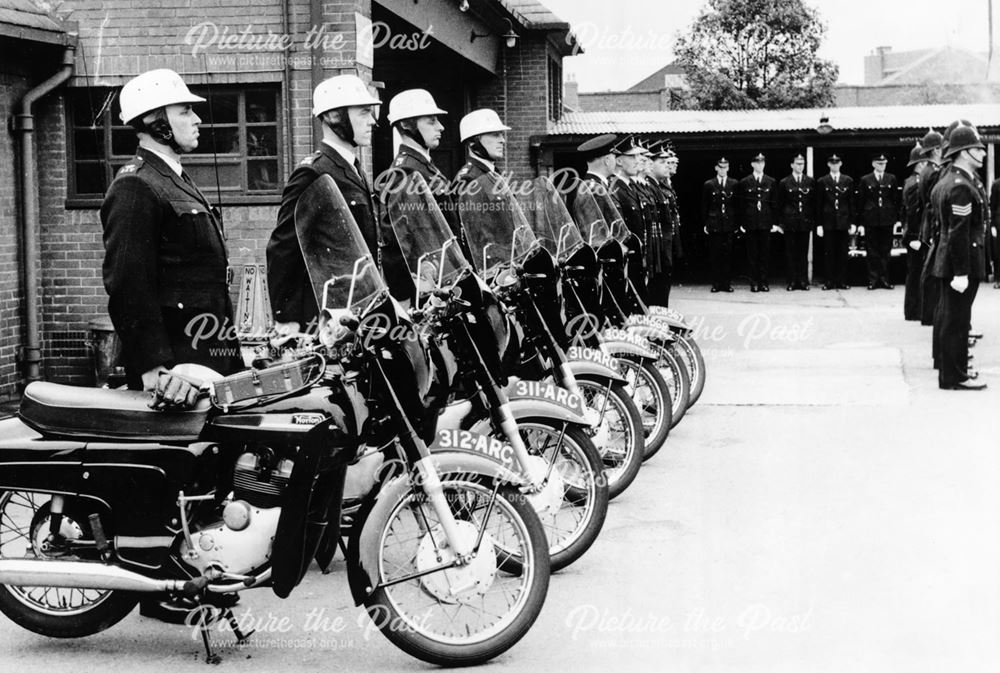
[538,399]
[674,315]
[362,552]
[660,335]
[593,361]
[672,320]
[621,347]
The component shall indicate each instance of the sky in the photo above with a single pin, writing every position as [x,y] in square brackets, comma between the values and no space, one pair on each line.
[626,40]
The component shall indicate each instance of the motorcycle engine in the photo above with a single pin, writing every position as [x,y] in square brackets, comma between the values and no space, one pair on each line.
[241,541]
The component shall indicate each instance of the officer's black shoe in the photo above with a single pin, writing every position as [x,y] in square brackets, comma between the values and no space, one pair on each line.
[789,288]
[843,286]
[765,288]
[963,385]
[827,286]
[804,286]
[715,289]
[729,288]
[888,286]
[754,288]
[872,286]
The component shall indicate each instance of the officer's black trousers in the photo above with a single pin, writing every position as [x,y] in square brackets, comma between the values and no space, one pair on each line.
[659,287]
[720,258]
[835,244]
[878,243]
[758,254]
[930,292]
[953,319]
[797,257]
[914,270]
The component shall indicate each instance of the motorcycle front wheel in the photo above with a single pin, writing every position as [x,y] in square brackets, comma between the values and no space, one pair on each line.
[51,611]
[620,438]
[573,504]
[675,373]
[466,614]
[647,387]
[690,353]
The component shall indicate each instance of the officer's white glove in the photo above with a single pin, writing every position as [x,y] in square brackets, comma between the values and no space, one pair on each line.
[993,230]
[743,230]
[897,229]
[960,283]
[819,231]
[861,231]
[851,230]
[914,245]
[283,329]
[150,378]
[705,229]
[775,229]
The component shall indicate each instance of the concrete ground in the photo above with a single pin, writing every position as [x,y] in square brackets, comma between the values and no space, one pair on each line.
[824,507]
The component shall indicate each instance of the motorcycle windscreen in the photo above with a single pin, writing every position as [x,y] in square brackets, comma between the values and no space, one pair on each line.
[430,249]
[552,222]
[495,226]
[341,270]
[589,216]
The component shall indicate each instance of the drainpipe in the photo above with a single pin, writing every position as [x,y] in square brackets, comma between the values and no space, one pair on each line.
[24,124]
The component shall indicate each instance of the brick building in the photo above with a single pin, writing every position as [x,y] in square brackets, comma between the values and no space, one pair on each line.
[257,62]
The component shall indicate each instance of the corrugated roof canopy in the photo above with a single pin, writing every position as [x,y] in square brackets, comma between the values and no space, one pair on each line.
[734,121]
[533,15]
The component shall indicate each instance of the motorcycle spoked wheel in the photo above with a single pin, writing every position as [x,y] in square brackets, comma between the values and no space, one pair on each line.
[572,526]
[50,611]
[651,394]
[621,437]
[686,348]
[495,609]
[675,373]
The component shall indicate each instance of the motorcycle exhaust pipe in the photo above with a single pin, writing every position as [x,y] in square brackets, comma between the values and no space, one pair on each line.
[84,575]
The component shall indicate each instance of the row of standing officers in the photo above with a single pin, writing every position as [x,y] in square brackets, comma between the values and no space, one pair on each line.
[833,206]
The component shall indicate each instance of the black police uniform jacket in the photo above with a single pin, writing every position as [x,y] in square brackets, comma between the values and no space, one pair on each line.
[912,213]
[626,197]
[657,241]
[757,202]
[835,202]
[796,203]
[164,269]
[718,205]
[673,208]
[291,293]
[410,161]
[959,200]
[878,202]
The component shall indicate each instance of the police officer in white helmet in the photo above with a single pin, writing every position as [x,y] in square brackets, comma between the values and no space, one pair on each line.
[417,127]
[483,135]
[347,110]
[165,255]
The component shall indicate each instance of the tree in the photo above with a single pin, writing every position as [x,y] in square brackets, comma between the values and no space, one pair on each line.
[743,54]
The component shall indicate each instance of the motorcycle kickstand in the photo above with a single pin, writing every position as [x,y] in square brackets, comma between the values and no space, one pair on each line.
[241,638]
[206,639]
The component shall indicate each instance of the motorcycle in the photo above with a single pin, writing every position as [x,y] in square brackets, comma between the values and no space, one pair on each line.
[625,308]
[546,426]
[104,500]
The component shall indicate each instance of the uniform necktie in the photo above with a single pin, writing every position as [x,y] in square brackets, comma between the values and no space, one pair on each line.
[361,173]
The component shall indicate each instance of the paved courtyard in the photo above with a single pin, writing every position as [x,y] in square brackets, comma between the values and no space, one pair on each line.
[824,507]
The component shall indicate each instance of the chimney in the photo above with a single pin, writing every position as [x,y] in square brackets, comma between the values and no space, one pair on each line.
[571,93]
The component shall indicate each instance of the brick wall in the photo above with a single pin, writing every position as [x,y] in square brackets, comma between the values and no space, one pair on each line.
[523,104]
[916,94]
[12,88]
[119,39]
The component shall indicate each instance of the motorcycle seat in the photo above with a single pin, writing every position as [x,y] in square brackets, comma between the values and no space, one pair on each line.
[56,410]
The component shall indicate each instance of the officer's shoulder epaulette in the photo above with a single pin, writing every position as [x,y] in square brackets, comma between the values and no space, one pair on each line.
[309,160]
[131,167]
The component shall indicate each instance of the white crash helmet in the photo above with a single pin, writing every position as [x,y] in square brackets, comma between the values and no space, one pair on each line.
[341,91]
[412,103]
[152,90]
[478,122]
